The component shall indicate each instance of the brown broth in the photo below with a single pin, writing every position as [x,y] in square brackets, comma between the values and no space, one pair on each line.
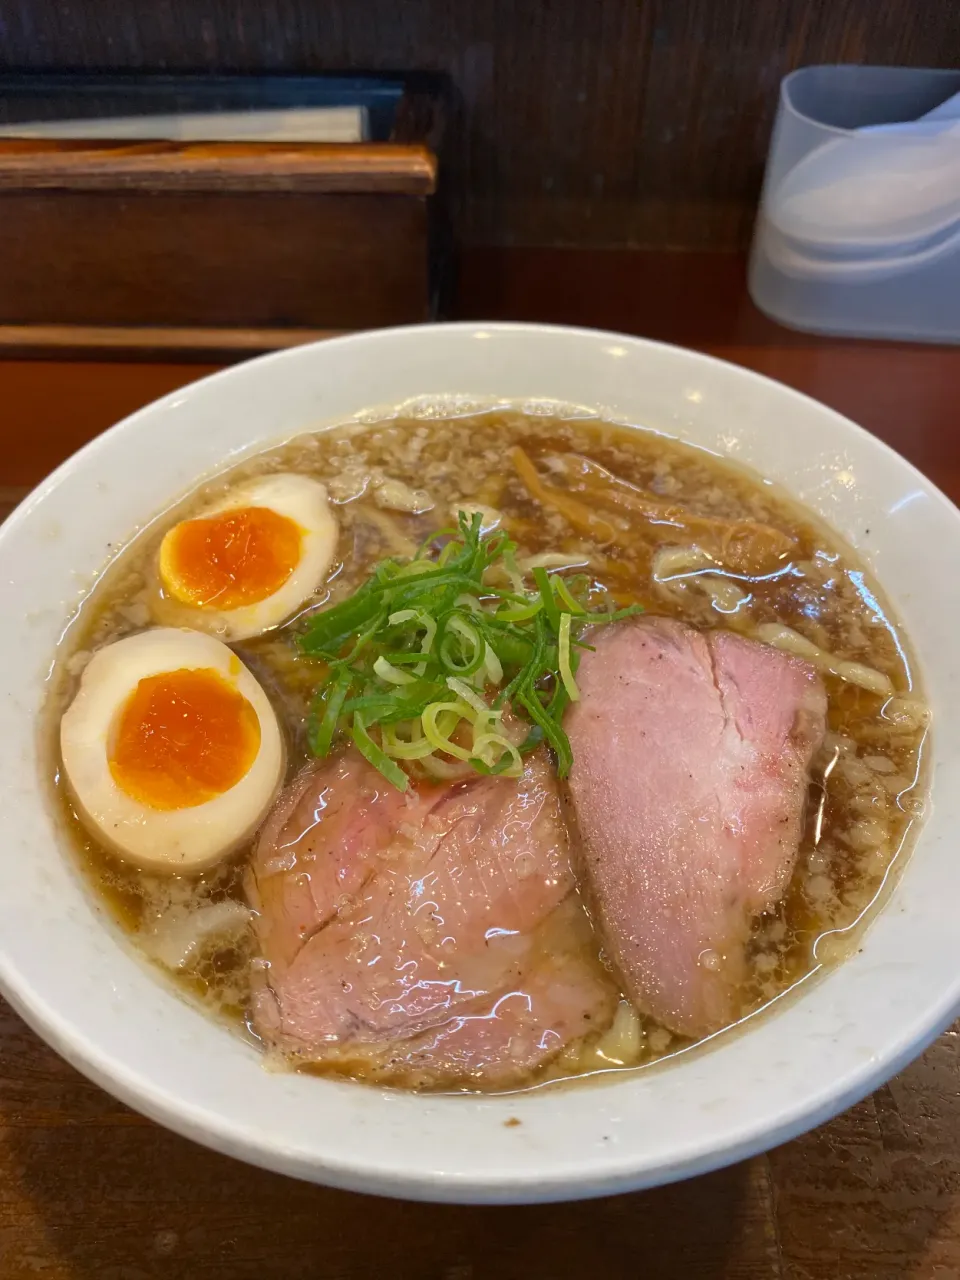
[866,792]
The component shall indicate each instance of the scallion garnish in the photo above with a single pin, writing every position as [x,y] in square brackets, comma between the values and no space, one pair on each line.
[565,660]
[427,657]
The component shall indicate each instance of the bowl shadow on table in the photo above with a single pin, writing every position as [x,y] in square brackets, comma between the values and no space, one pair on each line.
[90,1189]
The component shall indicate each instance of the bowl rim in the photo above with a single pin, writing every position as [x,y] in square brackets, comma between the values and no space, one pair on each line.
[160,1104]
[500,327]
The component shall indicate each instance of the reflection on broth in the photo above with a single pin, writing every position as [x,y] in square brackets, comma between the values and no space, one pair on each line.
[483,928]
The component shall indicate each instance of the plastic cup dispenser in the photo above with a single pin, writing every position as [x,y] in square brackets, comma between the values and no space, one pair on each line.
[858,231]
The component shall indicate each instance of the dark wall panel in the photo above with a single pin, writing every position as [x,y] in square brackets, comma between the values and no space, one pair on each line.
[594,122]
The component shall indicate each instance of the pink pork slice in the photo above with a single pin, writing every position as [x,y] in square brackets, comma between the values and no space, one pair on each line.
[691,755]
[435,936]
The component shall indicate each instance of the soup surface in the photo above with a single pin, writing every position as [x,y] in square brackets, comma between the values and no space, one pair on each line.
[628,520]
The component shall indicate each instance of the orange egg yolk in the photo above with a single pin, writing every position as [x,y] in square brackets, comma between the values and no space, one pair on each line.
[183,737]
[230,559]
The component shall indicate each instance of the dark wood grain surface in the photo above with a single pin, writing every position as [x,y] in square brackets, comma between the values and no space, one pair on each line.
[132,246]
[183,342]
[216,259]
[600,122]
[90,1190]
[296,168]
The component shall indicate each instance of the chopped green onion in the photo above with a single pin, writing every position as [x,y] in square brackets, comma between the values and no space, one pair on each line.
[567,599]
[320,735]
[519,613]
[563,659]
[427,649]
[542,580]
[512,569]
[376,756]
[492,665]
[446,553]
[412,748]
[467,695]
[615,615]
[393,675]
[456,631]
[427,543]
[440,737]
[506,759]
[447,770]
[552,732]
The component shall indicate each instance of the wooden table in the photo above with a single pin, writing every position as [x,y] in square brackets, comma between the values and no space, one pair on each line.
[89,1189]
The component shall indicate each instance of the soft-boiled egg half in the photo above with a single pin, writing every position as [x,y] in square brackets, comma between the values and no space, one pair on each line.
[247,562]
[171,749]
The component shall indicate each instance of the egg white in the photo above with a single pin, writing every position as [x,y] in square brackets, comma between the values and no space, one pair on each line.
[173,840]
[300,499]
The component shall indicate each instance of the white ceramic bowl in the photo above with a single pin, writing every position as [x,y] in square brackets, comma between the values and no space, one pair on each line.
[78,983]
